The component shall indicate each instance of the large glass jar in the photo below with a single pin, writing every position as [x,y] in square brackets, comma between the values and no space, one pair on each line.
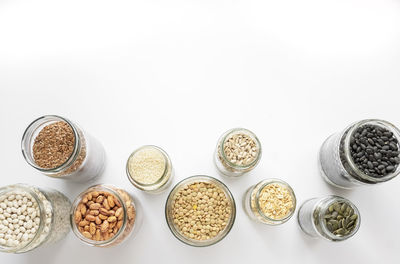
[31,217]
[256,203]
[104,216]
[149,169]
[232,141]
[200,211]
[315,218]
[85,161]
[337,165]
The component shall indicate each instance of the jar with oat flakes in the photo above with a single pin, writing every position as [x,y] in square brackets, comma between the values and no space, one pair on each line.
[104,216]
[238,151]
[271,202]
[59,148]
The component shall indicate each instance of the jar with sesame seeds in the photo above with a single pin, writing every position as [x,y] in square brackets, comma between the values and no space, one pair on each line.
[238,151]
[59,148]
[271,202]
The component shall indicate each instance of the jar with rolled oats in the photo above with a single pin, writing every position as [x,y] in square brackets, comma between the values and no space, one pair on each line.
[238,151]
[271,202]
[59,148]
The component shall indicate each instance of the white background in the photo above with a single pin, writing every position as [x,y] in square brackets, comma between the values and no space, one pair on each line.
[177,74]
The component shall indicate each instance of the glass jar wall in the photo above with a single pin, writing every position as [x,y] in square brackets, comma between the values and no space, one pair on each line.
[104,216]
[31,217]
[58,148]
[366,152]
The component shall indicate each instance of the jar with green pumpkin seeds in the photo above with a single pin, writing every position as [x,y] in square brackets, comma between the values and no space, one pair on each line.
[333,218]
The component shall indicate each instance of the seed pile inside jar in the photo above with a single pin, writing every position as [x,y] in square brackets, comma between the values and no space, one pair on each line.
[240,149]
[276,201]
[201,210]
[99,215]
[340,219]
[147,165]
[53,145]
[375,150]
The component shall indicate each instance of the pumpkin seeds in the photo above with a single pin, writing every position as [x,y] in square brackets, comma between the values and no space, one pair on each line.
[340,219]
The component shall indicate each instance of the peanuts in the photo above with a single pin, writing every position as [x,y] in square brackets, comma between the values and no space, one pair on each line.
[96,216]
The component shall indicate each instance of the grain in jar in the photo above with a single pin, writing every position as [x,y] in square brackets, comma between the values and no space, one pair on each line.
[59,148]
[31,217]
[149,169]
[271,202]
[238,151]
[200,211]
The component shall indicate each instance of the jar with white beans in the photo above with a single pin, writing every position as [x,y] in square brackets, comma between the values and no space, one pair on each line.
[31,217]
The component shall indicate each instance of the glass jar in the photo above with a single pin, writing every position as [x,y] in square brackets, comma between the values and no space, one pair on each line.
[172,222]
[86,160]
[252,206]
[31,217]
[124,211]
[312,220]
[225,165]
[337,166]
[165,178]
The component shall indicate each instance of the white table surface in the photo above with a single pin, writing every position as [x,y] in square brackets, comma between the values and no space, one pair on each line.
[179,73]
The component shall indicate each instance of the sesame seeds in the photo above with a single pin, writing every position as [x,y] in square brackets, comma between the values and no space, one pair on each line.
[53,145]
[147,165]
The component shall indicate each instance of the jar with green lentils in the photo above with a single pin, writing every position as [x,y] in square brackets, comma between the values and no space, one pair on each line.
[200,211]
[333,218]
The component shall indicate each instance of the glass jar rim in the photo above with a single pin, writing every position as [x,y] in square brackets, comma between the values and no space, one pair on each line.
[249,133]
[78,199]
[222,234]
[347,142]
[28,136]
[142,186]
[269,181]
[26,188]
[332,199]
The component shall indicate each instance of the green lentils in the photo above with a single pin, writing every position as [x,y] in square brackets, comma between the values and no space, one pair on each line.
[340,219]
[201,210]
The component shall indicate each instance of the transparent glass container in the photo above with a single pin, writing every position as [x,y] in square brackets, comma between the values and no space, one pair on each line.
[224,165]
[160,185]
[252,207]
[48,213]
[336,164]
[130,220]
[85,162]
[311,218]
[170,219]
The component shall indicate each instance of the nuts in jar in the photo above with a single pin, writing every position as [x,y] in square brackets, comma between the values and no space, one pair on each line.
[103,215]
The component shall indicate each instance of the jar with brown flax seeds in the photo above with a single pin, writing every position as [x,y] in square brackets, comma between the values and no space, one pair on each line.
[59,148]
[238,151]
[104,216]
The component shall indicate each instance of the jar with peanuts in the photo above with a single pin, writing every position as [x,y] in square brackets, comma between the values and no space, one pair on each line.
[104,216]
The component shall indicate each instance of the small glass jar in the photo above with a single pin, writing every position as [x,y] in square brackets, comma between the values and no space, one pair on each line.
[311,218]
[159,185]
[85,162]
[36,217]
[336,164]
[123,225]
[170,205]
[224,164]
[252,207]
